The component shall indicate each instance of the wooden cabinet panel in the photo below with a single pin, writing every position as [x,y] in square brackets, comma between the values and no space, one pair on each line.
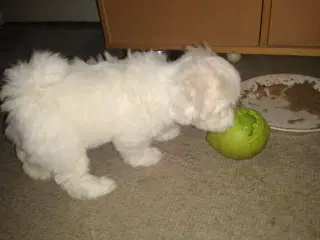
[165,23]
[295,23]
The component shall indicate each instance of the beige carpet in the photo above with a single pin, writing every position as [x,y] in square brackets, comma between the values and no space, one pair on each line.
[193,193]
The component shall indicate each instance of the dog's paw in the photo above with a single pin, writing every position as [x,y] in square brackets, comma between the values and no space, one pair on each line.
[150,157]
[35,172]
[87,187]
[169,134]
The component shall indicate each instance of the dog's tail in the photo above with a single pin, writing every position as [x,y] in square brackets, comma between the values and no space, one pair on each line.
[26,79]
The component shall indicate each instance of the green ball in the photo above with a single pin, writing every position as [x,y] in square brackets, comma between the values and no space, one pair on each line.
[245,139]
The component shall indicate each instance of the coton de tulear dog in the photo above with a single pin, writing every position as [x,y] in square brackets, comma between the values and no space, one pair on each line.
[59,108]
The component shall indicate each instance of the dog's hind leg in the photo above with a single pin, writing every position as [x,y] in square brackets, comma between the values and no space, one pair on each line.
[78,182]
[72,176]
[34,171]
[138,154]
[168,133]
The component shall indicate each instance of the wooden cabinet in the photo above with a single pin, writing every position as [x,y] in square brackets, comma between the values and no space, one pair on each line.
[171,23]
[295,23]
[243,26]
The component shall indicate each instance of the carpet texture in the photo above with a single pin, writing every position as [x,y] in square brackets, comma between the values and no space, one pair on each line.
[193,193]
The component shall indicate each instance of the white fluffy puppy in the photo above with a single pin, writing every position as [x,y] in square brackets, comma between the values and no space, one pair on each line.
[58,109]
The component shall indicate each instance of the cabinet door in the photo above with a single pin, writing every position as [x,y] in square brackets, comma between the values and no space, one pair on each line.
[295,23]
[160,23]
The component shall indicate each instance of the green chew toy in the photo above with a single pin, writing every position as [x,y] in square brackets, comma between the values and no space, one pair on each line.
[245,139]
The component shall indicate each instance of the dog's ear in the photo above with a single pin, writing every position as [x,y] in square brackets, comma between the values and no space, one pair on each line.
[183,110]
[193,86]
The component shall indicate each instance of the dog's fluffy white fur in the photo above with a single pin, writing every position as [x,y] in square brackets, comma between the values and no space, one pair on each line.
[59,108]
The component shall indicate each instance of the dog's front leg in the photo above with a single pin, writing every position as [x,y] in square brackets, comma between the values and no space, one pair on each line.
[138,154]
[168,133]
